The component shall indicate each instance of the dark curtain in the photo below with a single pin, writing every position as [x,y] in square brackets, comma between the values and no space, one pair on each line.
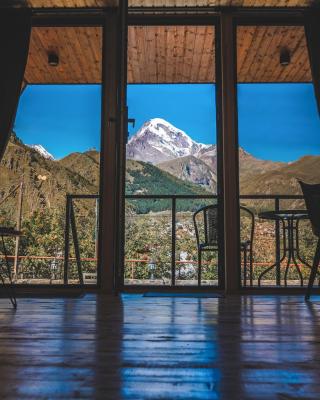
[15,29]
[312,29]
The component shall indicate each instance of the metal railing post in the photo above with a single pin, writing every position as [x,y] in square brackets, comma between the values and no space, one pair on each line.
[96,233]
[67,241]
[278,244]
[76,243]
[18,227]
[173,242]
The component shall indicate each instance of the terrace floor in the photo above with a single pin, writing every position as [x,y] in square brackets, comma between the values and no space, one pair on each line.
[135,347]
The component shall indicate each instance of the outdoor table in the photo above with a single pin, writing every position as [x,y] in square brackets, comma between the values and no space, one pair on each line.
[289,220]
[8,232]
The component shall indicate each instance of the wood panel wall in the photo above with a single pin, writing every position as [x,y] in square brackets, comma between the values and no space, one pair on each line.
[168,54]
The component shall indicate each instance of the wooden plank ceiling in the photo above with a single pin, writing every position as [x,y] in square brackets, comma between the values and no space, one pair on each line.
[168,54]
[170,3]
[79,51]
[171,54]
[259,54]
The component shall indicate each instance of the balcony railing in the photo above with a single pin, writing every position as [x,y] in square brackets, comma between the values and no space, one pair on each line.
[160,246]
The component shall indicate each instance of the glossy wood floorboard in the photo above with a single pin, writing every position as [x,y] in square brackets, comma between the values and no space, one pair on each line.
[133,347]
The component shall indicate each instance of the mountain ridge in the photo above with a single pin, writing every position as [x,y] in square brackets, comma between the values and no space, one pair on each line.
[48,181]
[171,149]
[41,150]
[284,179]
[192,169]
[158,141]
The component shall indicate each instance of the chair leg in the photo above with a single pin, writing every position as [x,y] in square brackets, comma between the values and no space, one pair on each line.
[314,270]
[245,266]
[251,266]
[199,267]
[11,290]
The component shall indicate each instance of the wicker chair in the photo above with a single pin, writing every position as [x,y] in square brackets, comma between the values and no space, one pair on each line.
[311,194]
[209,218]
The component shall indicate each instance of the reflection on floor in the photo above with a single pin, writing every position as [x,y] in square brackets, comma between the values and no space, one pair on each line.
[134,347]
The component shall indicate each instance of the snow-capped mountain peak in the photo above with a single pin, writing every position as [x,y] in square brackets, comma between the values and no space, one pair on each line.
[42,151]
[158,140]
[164,130]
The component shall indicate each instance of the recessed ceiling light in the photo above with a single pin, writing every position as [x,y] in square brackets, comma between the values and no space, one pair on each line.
[53,59]
[285,57]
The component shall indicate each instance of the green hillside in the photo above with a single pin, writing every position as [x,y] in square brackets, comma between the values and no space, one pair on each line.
[85,164]
[284,180]
[144,178]
[48,181]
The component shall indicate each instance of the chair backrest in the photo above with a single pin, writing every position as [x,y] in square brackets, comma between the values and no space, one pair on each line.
[250,229]
[311,194]
[209,219]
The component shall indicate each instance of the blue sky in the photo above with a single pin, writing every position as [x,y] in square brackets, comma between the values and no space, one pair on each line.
[63,118]
[276,121]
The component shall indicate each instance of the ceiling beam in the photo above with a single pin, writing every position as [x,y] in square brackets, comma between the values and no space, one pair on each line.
[166,15]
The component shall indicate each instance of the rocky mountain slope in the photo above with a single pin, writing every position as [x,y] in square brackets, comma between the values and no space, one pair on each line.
[145,178]
[47,181]
[249,166]
[86,164]
[171,149]
[173,164]
[192,169]
[284,179]
[41,150]
[158,141]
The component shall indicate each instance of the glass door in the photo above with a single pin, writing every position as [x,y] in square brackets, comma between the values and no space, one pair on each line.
[171,229]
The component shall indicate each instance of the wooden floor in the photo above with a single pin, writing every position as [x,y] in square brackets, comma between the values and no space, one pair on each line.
[134,347]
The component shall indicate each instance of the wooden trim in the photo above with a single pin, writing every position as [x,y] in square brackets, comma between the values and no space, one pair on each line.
[122,141]
[219,142]
[229,122]
[174,19]
[168,15]
[277,290]
[61,19]
[312,32]
[23,86]
[171,289]
[206,16]
[62,290]
[108,200]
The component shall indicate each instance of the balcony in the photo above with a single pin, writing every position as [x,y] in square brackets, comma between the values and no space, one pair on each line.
[160,246]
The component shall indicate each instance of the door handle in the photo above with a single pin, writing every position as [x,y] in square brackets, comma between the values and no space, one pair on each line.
[132,121]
